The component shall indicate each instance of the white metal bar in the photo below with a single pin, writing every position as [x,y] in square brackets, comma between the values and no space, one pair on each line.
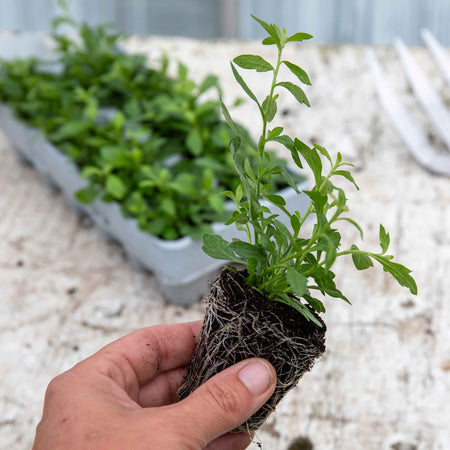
[429,99]
[438,53]
[412,136]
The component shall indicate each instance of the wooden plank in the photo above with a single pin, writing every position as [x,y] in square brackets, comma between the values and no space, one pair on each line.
[384,382]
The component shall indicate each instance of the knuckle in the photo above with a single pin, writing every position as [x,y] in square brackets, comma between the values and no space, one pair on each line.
[223,398]
[56,386]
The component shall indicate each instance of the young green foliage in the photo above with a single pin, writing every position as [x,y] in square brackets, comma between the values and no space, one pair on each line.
[139,137]
[280,263]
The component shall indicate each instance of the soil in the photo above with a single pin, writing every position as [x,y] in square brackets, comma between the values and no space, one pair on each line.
[241,323]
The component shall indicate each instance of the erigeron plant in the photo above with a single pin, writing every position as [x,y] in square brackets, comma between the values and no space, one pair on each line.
[271,309]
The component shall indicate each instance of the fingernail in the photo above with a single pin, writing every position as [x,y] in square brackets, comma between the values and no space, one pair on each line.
[256,376]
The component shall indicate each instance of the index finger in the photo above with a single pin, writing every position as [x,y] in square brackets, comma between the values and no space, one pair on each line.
[143,354]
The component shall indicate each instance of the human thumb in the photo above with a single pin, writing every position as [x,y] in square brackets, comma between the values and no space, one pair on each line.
[228,399]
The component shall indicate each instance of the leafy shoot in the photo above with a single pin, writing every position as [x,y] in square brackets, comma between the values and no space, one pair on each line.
[280,262]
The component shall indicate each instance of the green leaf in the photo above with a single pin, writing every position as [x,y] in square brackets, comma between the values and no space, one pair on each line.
[228,118]
[90,172]
[243,84]
[290,180]
[115,187]
[239,166]
[269,107]
[312,158]
[118,121]
[88,194]
[331,235]
[299,37]
[271,30]
[323,150]
[229,194]
[284,140]
[296,91]
[277,200]
[209,82]
[168,206]
[269,41]
[384,239]
[194,142]
[398,271]
[239,194]
[361,261]
[69,130]
[247,251]
[275,132]
[298,72]
[249,170]
[182,71]
[283,234]
[330,256]
[336,293]
[275,170]
[346,174]
[342,199]
[319,200]
[255,62]
[316,304]
[326,186]
[324,279]
[251,268]
[235,144]
[289,144]
[238,217]
[296,281]
[218,248]
[297,305]
[295,224]
[135,203]
[113,156]
[355,224]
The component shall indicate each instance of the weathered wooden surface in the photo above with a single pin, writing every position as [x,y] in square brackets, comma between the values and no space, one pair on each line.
[385,380]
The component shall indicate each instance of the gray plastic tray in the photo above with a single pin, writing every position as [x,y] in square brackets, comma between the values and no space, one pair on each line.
[182,268]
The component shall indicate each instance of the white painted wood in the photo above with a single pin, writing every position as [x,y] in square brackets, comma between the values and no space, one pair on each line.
[383,383]
[411,133]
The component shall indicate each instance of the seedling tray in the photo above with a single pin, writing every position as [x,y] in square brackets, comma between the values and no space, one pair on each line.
[181,267]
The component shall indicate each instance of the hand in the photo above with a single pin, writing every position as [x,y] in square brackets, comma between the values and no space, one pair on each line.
[124,397]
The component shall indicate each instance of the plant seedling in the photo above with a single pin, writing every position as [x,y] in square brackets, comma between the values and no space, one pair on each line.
[271,309]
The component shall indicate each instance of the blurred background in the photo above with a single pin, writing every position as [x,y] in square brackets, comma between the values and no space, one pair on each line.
[330,21]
